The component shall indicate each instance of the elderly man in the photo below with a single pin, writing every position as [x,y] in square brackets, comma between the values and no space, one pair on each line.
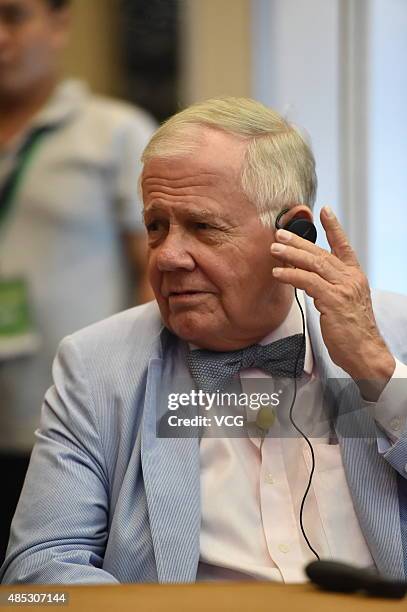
[107,499]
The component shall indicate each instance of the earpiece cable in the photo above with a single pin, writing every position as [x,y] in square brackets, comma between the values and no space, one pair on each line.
[303,435]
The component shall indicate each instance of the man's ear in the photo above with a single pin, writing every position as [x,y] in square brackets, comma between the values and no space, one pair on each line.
[299,221]
[300,211]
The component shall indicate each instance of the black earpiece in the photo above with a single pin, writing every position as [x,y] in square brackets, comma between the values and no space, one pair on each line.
[301,227]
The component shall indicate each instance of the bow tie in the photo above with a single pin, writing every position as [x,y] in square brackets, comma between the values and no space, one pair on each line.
[212,370]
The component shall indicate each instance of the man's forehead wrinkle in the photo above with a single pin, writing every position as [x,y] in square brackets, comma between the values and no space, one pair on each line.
[201,179]
[214,189]
[163,199]
[174,191]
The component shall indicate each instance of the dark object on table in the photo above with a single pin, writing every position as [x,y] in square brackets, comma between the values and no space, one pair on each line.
[344,578]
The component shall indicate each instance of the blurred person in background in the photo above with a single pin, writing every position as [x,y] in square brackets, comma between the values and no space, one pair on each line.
[72,247]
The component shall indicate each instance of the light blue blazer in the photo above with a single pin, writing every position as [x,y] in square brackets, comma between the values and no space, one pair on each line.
[105,500]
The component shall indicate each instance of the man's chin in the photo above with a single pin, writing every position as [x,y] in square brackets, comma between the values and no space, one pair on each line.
[190,327]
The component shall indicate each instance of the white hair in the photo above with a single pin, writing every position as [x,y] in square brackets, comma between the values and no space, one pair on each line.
[279,168]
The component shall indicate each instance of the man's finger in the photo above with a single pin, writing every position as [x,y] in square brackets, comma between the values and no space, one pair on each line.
[321,262]
[313,285]
[286,237]
[337,238]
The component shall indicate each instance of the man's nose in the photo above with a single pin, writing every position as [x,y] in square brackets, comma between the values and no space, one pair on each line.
[173,253]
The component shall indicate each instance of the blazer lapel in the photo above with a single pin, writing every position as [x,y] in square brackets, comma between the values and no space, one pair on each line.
[171,474]
[371,480]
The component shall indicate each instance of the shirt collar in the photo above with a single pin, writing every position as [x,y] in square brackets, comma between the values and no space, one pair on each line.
[291,325]
[66,100]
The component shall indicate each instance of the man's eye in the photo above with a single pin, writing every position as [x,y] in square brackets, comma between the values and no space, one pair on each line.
[154,226]
[203,226]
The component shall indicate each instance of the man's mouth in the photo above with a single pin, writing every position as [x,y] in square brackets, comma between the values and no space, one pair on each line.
[186,295]
[186,292]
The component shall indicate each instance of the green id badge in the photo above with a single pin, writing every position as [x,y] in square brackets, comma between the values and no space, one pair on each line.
[18,336]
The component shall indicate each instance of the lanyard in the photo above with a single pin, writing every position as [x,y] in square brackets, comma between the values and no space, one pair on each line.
[8,190]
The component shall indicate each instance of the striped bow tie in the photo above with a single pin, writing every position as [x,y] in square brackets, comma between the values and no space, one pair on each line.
[213,370]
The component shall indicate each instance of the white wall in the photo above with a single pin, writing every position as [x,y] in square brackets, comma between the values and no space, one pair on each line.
[339,68]
[296,71]
[388,144]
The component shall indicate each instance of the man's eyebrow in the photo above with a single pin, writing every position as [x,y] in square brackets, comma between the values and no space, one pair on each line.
[154,207]
[204,215]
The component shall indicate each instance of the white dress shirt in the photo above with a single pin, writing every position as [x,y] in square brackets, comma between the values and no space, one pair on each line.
[251,493]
